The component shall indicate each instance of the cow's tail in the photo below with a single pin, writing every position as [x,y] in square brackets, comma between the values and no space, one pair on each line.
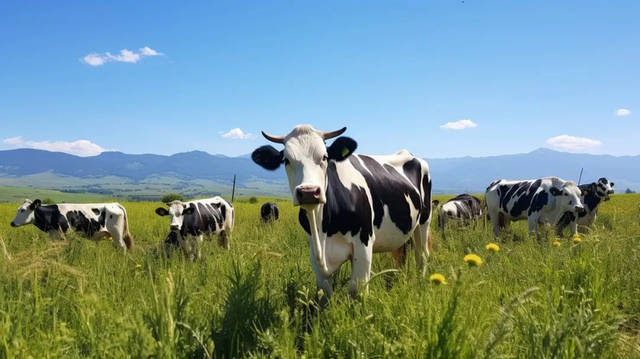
[126,236]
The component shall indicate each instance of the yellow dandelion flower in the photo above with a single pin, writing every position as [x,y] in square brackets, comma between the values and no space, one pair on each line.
[557,243]
[437,279]
[577,239]
[138,266]
[492,247]
[473,260]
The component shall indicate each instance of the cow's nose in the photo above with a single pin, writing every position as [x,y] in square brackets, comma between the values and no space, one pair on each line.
[13,224]
[308,194]
[579,209]
[175,228]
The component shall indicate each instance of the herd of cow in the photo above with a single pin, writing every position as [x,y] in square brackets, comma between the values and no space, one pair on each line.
[351,206]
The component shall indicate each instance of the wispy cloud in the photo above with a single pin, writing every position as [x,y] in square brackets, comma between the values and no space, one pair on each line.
[459,125]
[623,112]
[236,134]
[79,148]
[572,143]
[125,55]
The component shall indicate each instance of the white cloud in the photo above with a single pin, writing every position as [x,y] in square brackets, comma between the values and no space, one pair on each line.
[459,125]
[572,143]
[623,112]
[125,55]
[79,148]
[236,134]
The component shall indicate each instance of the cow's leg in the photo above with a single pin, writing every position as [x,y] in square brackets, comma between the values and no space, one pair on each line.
[574,226]
[422,246]
[56,235]
[114,224]
[223,240]
[360,267]
[495,220]
[400,255]
[324,282]
[533,221]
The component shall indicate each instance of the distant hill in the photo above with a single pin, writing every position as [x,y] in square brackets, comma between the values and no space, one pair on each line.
[199,173]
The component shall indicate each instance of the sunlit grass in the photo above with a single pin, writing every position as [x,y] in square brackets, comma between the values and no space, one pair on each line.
[530,299]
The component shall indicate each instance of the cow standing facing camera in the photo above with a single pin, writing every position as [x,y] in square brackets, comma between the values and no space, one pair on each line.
[352,206]
[191,221]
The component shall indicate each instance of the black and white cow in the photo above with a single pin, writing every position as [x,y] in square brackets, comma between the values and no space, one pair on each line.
[269,212]
[463,208]
[352,205]
[539,201]
[95,221]
[190,221]
[593,194]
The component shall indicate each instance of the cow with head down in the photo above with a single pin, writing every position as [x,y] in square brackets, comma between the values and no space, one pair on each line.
[91,220]
[352,205]
[463,209]
[542,200]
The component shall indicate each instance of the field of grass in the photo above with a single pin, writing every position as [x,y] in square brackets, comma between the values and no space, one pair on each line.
[531,299]
[19,194]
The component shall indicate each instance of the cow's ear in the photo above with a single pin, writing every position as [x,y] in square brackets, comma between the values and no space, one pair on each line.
[188,211]
[611,184]
[341,148]
[554,191]
[435,203]
[268,157]
[35,204]
[161,211]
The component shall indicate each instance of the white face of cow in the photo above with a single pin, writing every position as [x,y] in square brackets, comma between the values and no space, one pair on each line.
[25,213]
[176,212]
[604,188]
[306,159]
[568,198]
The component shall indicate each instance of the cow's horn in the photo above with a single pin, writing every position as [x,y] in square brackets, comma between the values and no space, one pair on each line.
[331,134]
[276,139]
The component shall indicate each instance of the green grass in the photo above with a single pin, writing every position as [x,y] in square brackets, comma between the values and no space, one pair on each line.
[529,300]
[19,194]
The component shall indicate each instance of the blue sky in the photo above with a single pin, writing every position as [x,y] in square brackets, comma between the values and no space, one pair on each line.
[523,72]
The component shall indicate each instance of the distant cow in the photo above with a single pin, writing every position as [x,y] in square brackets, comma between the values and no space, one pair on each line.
[94,221]
[192,220]
[269,212]
[593,195]
[538,201]
[352,206]
[463,208]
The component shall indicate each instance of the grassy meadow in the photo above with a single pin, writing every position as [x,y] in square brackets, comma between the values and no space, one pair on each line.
[530,299]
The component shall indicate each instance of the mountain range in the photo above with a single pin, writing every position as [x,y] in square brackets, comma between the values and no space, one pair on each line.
[54,170]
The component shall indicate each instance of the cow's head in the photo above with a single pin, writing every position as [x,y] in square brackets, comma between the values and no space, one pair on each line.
[604,188]
[306,159]
[568,197]
[25,213]
[177,210]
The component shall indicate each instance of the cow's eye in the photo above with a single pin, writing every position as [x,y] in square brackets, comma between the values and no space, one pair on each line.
[286,162]
[22,210]
[570,202]
[566,194]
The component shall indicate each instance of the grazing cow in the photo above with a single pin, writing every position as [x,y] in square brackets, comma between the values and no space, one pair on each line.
[95,221]
[192,220]
[352,206]
[539,201]
[593,195]
[269,212]
[463,208]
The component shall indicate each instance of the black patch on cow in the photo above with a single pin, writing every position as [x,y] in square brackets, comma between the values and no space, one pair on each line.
[268,157]
[172,239]
[425,214]
[206,218]
[341,148]
[49,218]
[538,202]
[96,211]
[80,223]
[524,192]
[468,207]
